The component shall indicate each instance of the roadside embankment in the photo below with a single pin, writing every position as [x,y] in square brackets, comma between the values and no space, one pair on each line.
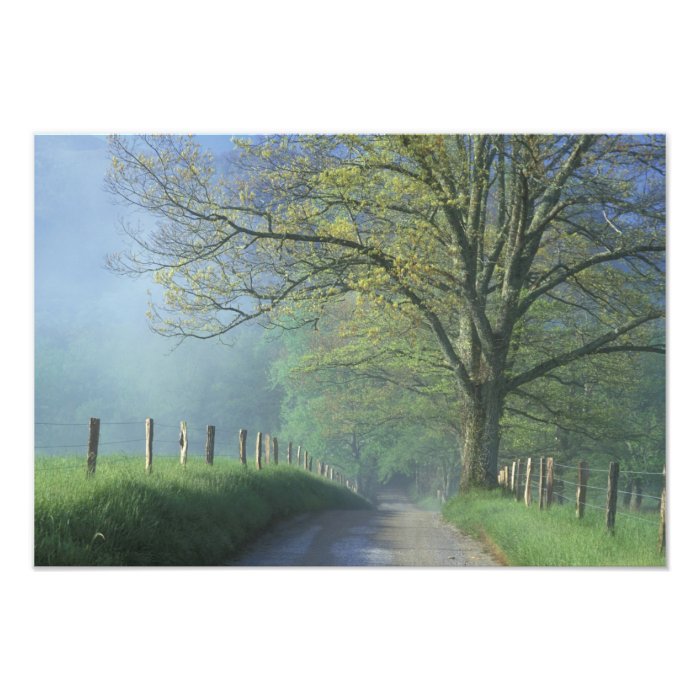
[200,515]
[521,536]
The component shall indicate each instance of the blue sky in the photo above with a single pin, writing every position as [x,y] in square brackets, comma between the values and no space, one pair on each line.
[76,225]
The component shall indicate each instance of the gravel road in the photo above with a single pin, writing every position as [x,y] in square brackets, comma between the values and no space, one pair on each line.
[397,533]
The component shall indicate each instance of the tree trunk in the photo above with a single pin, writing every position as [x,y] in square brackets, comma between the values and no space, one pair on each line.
[481,437]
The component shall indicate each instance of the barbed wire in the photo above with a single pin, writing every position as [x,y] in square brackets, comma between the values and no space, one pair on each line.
[636,517]
[53,469]
[113,442]
[567,466]
[591,469]
[103,423]
[112,463]
[626,471]
[86,423]
[588,504]
[120,442]
[597,507]
[602,488]
[643,495]
[57,447]
[606,471]
[573,483]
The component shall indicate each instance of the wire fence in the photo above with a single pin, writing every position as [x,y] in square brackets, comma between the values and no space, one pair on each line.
[179,441]
[520,478]
[121,437]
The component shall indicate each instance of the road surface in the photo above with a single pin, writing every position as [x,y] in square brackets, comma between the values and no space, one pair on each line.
[397,533]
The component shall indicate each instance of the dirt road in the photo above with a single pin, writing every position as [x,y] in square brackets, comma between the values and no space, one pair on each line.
[395,534]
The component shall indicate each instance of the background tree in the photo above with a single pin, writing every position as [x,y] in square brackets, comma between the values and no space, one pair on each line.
[362,389]
[476,237]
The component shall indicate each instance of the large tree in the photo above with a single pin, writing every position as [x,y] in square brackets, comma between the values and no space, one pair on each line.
[485,240]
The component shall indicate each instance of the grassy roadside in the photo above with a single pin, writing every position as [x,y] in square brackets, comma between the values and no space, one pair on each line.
[527,537]
[201,515]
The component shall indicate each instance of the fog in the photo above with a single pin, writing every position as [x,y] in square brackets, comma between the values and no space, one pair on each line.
[95,355]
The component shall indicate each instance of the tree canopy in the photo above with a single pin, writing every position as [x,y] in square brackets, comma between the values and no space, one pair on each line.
[515,257]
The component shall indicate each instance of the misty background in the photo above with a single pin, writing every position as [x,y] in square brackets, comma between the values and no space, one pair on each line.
[94,353]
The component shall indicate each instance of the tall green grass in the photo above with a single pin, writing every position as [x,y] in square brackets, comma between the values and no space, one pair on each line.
[198,515]
[530,537]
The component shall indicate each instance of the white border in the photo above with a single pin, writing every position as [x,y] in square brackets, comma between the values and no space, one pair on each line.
[81,68]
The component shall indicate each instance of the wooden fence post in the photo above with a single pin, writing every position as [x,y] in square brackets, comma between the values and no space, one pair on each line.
[242,437]
[320,467]
[306,460]
[512,477]
[662,517]
[209,448]
[541,491]
[611,507]
[275,451]
[93,443]
[550,481]
[299,456]
[183,443]
[149,445]
[528,483]
[289,453]
[311,463]
[258,451]
[583,473]
[267,448]
[518,480]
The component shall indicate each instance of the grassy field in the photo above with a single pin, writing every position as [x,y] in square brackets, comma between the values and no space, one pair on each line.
[200,515]
[528,537]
